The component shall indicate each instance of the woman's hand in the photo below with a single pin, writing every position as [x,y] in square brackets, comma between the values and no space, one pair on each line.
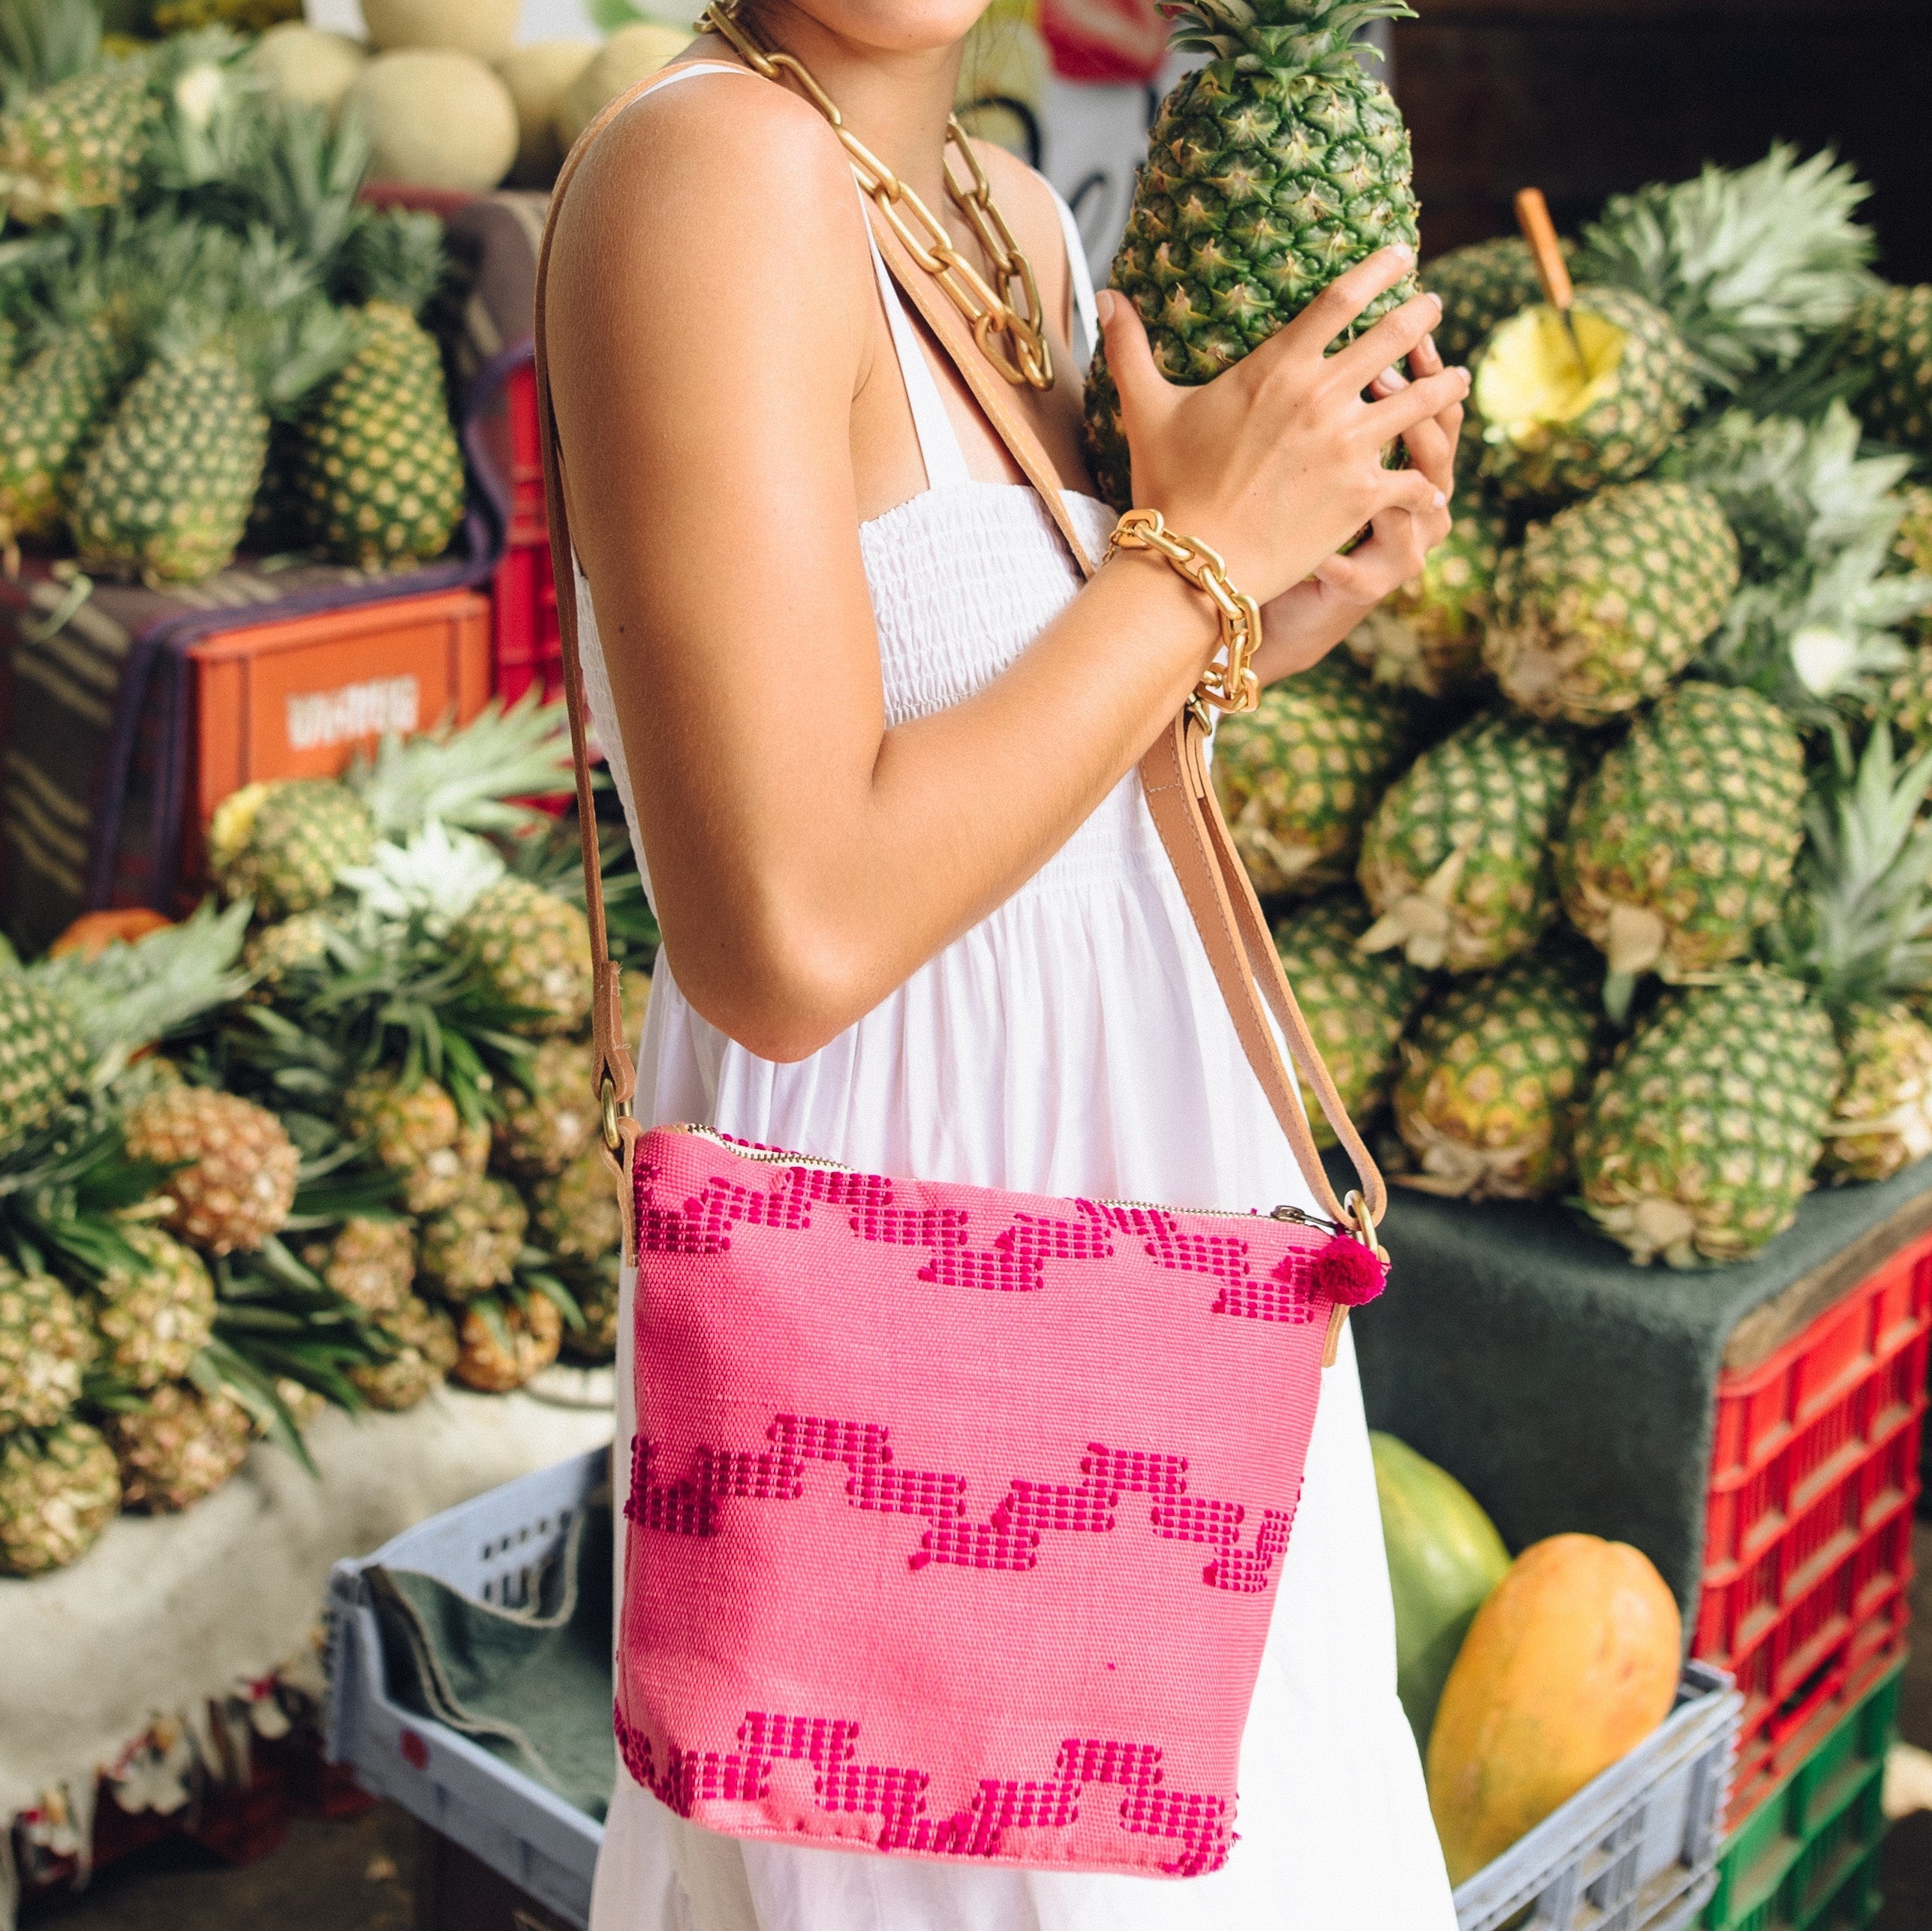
[1302,625]
[1277,462]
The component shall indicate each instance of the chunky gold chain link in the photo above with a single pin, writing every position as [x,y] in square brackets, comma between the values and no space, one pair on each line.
[1006,321]
[1229,683]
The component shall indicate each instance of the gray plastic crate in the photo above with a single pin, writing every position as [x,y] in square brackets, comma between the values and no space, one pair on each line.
[490,1547]
[1636,1850]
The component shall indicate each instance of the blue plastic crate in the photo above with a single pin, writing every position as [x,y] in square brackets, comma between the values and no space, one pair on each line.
[1636,1849]
[490,1547]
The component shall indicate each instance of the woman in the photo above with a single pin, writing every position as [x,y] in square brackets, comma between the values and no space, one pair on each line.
[876,744]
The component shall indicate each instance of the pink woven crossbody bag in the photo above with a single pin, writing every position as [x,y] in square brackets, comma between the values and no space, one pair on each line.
[956,1515]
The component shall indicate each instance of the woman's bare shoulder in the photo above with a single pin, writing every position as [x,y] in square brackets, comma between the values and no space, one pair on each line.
[1033,216]
[725,170]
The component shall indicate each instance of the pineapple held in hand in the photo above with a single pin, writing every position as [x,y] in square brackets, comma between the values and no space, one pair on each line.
[378,468]
[164,495]
[1271,170]
[1298,776]
[1700,1136]
[1494,1077]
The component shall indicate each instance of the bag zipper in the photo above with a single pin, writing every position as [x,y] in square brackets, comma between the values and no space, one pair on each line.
[1297,1216]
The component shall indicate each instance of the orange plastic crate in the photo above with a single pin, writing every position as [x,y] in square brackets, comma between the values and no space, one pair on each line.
[299,698]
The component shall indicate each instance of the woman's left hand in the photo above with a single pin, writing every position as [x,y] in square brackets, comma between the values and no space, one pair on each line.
[1303,625]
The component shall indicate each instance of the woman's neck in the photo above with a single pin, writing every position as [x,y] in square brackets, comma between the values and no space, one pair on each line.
[894,98]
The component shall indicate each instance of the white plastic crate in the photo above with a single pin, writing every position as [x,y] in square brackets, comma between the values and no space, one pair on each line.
[1636,1849]
[490,1547]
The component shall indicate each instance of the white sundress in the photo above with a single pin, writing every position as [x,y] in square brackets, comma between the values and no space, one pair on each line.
[1074,1042]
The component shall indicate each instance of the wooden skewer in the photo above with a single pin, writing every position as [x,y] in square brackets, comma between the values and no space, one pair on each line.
[1533,217]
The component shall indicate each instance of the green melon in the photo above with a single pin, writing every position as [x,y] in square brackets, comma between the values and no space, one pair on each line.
[1444,1558]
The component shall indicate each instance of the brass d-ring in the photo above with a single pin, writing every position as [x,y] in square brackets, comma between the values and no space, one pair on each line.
[613,1114]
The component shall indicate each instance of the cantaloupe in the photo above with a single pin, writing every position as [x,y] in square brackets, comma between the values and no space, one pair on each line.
[482,28]
[1570,1663]
[436,119]
[1444,1558]
[625,59]
[303,63]
[538,77]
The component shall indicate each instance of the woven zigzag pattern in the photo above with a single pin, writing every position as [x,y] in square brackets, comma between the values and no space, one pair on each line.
[691,1504]
[897,1794]
[1015,1262]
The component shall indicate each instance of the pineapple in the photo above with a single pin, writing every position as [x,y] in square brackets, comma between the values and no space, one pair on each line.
[472,1246]
[424,1338]
[274,954]
[1356,1003]
[283,845]
[1907,702]
[1700,1136]
[1479,286]
[1298,778]
[45,1348]
[371,1264]
[1270,171]
[1681,845]
[1494,1076]
[503,1343]
[1428,636]
[379,471]
[576,1211]
[1455,860]
[1751,264]
[414,1130]
[1606,602]
[77,131]
[182,1445]
[547,1123]
[234,1166]
[534,951]
[54,406]
[1856,931]
[164,493]
[595,1290]
[44,1058]
[1555,426]
[156,1317]
[58,1489]
[1890,333]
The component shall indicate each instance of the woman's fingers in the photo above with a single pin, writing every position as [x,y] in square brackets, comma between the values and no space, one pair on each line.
[1130,360]
[1340,305]
[1408,489]
[1431,447]
[1416,402]
[1388,343]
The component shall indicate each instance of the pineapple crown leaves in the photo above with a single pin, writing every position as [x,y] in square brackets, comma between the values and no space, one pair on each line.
[467,777]
[435,877]
[1286,36]
[1859,926]
[44,42]
[1795,490]
[302,180]
[128,996]
[395,257]
[1751,263]
[211,100]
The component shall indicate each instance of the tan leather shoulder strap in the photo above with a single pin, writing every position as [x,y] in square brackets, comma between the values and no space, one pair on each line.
[1233,929]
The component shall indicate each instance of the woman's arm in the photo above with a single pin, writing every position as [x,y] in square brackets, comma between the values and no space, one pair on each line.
[710,323]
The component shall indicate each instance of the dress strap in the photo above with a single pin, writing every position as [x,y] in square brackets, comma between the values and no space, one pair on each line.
[939,445]
[1086,316]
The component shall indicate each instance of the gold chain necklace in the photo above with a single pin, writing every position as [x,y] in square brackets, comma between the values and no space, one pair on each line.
[1005,321]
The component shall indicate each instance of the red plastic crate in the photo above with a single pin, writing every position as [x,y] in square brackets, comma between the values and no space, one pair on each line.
[528,642]
[1808,1547]
[528,514]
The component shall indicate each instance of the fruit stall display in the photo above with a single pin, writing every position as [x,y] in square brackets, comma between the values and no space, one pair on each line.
[326,1144]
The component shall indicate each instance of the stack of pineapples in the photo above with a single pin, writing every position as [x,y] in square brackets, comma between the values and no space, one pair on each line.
[210,338]
[1598,853]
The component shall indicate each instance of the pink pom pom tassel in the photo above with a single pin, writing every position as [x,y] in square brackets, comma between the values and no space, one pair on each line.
[1347,1271]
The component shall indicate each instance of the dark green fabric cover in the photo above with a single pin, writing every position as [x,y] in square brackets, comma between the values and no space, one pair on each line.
[1564,1387]
[531,1685]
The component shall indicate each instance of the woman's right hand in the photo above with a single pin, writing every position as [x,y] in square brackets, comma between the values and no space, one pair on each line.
[1278,461]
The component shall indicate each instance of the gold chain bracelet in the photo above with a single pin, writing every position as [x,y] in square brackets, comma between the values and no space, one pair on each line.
[1227,683]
